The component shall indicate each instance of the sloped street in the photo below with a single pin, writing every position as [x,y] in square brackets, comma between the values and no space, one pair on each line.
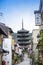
[26,60]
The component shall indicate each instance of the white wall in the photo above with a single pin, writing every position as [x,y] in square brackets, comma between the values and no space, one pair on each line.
[7,46]
[35,41]
[35,32]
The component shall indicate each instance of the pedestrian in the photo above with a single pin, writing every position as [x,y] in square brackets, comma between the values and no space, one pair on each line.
[30,61]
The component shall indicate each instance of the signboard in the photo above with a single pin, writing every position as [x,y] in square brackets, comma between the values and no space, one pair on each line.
[7,46]
[37,19]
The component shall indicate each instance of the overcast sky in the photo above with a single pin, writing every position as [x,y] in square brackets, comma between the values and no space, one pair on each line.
[16,10]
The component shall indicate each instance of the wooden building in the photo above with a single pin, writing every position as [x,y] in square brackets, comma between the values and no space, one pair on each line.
[4,33]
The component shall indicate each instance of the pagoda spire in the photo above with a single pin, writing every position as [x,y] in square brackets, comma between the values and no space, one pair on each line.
[22,23]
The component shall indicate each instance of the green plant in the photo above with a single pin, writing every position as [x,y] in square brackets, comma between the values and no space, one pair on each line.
[39,63]
[41,36]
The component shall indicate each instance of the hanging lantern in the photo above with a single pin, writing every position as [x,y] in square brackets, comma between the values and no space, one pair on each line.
[37,18]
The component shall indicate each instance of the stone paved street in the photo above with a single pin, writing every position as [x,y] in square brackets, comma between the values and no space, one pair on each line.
[26,60]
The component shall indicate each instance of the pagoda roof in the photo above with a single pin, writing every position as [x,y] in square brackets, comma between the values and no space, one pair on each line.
[23,30]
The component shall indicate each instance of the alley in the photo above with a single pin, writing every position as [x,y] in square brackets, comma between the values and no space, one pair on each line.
[26,60]
[21,32]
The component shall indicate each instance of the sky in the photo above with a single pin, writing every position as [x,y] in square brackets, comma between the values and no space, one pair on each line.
[16,10]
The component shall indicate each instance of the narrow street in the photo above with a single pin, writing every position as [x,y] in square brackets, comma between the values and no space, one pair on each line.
[21,32]
[26,60]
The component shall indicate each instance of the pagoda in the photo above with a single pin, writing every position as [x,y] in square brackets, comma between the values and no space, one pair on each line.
[23,38]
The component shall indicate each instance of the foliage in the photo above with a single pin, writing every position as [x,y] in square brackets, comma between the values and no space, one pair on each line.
[17,58]
[41,36]
[23,51]
[41,44]
[39,63]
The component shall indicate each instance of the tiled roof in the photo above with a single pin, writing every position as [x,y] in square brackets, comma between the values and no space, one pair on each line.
[5,29]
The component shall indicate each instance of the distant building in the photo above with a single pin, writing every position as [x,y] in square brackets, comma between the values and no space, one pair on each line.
[14,36]
[23,37]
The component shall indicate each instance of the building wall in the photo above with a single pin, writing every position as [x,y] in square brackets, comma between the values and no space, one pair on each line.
[35,42]
[35,32]
[7,46]
[34,35]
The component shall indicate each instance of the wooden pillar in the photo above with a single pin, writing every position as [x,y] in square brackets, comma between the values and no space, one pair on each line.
[42,57]
[0,58]
[0,39]
[1,47]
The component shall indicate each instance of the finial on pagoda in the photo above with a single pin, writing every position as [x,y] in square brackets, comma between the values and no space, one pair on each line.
[22,23]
